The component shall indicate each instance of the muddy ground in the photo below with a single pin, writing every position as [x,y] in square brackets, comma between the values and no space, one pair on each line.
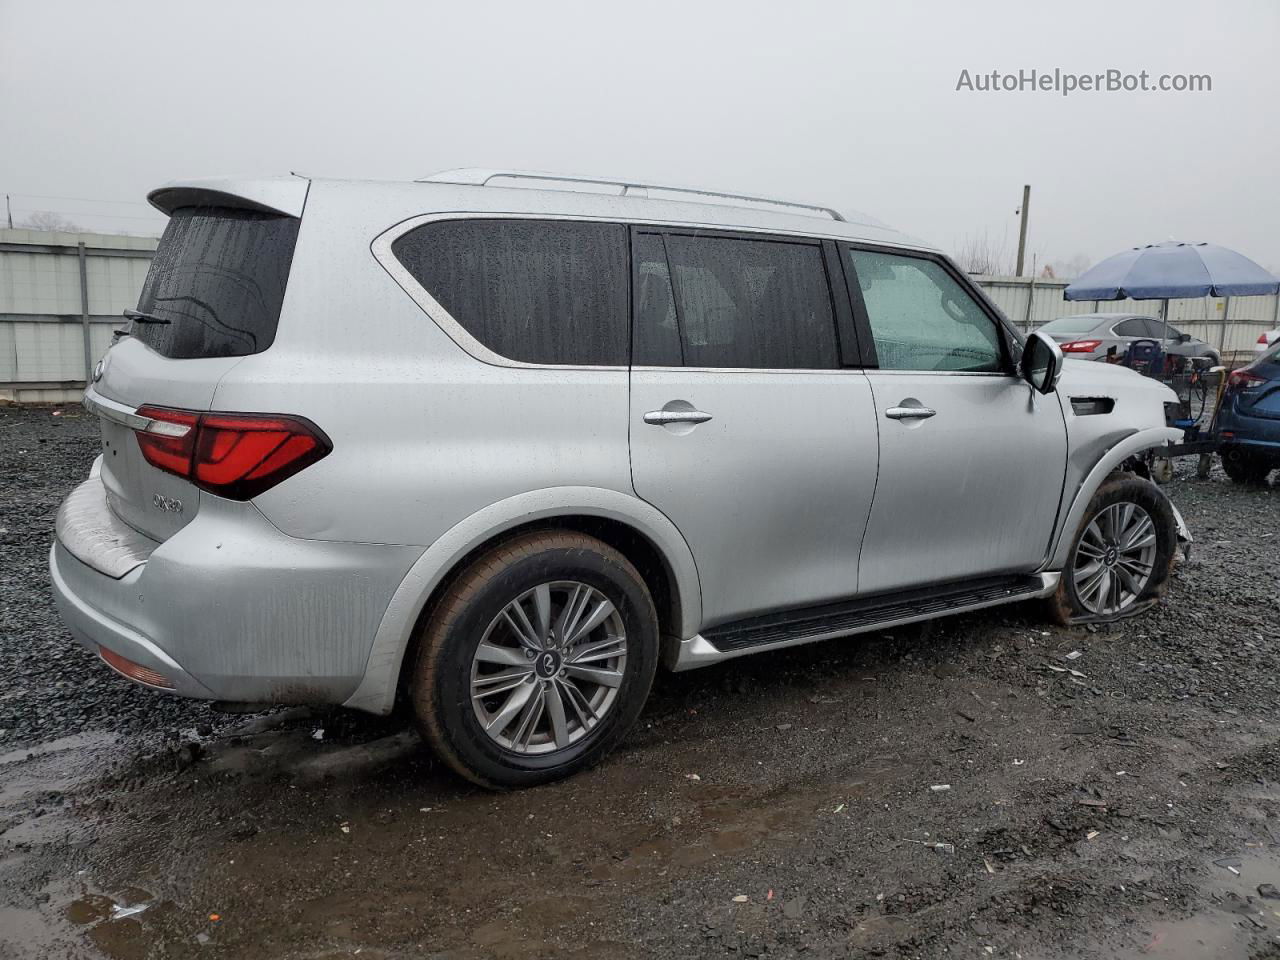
[1111,792]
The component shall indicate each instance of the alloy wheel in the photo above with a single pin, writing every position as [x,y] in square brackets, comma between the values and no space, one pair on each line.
[1115,559]
[548,668]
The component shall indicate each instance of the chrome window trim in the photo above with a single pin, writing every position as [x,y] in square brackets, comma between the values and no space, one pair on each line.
[381,250]
[944,373]
[811,371]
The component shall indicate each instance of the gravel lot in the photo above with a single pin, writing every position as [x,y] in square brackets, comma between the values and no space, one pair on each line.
[56,686]
[781,805]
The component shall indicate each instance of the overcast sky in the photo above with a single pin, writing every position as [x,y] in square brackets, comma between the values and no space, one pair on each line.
[848,104]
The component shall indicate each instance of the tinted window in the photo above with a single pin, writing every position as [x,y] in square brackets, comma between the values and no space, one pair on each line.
[655,331]
[921,318]
[540,291]
[218,277]
[1136,327]
[751,303]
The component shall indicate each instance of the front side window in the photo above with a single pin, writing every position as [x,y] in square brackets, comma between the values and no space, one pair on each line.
[537,291]
[758,304]
[920,316]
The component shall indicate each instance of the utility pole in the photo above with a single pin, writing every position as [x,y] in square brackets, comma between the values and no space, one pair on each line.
[8,209]
[1022,227]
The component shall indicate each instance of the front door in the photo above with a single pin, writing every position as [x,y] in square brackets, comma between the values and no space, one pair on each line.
[972,460]
[746,431]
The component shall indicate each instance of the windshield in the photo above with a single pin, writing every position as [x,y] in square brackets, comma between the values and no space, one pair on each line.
[216,283]
[1070,325]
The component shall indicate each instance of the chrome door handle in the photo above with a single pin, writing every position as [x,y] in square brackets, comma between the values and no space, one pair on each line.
[909,413]
[662,417]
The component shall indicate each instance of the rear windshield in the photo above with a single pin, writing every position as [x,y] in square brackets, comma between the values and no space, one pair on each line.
[218,277]
[1070,325]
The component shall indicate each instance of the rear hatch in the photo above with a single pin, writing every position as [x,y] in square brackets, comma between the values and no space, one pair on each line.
[1261,398]
[212,296]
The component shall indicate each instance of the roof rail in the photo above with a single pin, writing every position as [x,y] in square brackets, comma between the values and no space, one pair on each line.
[480,177]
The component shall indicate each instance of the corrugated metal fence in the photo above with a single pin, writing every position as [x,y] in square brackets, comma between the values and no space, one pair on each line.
[1233,327]
[61,295]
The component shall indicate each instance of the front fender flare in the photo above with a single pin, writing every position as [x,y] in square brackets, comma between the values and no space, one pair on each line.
[1148,439]
[377,689]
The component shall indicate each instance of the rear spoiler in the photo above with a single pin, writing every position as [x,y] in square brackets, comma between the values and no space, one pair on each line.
[285,195]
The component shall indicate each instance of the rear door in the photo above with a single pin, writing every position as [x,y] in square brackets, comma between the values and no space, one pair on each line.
[746,428]
[972,460]
[212,296]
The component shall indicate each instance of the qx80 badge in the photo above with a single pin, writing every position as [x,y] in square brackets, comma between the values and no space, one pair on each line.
[167,504]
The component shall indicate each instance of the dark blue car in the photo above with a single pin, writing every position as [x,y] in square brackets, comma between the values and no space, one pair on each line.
[1249,421]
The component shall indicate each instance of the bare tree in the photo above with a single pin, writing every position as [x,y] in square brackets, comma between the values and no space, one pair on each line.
[1073,267]
[49,220]
[980,254]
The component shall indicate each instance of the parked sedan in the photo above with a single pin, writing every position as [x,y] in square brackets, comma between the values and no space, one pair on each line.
[1249,419]
[1266,339]
[1089,336]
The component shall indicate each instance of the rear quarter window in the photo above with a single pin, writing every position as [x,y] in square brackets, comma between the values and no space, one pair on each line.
[218,279]
[536,291]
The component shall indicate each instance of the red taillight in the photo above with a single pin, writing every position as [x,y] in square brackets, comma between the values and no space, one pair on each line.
[168,440]
[1262,339]
[1244,378]
[235,455]
[1080,346]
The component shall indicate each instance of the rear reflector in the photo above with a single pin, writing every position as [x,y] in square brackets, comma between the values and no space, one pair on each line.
[1080,346]
[134,671]
[235,455]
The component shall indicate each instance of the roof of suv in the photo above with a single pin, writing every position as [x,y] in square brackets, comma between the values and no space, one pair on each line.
[634,204]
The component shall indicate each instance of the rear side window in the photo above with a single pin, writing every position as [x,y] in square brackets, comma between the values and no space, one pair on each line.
[1134,327]
[729,302]
[538,291]
[218,279]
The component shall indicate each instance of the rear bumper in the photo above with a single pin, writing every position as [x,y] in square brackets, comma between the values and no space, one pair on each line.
[94,629]
[230,608]
[1253,431]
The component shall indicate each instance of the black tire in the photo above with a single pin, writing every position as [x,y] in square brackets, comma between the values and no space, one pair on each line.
[1245,467]
[1065,604]
[440,683]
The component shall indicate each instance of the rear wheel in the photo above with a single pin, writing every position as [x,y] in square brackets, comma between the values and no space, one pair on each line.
[1245,467]
[537,660]
[1122,552]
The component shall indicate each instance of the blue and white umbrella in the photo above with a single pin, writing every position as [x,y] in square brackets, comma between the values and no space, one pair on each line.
[1174,269]
[1161,271]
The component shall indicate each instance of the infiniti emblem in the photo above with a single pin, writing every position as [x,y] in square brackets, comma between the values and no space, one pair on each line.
[547,664]
[99,369]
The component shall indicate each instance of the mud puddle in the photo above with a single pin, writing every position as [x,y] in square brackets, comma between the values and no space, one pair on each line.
[942,794]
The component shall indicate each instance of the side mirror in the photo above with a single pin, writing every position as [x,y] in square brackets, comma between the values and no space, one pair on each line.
[1041,364]
[1184,338]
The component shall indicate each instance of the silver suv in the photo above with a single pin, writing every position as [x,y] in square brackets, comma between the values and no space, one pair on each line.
[500,450]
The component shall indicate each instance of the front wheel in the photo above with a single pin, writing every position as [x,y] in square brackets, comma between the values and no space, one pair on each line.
[536,661]
[1122,552]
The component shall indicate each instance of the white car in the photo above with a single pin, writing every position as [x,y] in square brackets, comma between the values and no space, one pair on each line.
[1265,340]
